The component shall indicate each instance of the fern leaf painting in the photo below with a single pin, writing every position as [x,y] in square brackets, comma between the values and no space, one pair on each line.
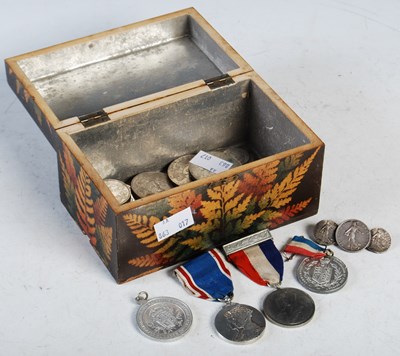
[259,198]
[86,205]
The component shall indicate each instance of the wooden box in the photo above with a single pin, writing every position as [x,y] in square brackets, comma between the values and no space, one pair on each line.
[133,99]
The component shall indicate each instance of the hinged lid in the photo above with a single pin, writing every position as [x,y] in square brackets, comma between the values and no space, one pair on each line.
[220,81]
[170,53]
[94,118]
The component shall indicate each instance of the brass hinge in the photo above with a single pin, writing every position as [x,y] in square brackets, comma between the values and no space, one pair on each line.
[220,81]
[94,118]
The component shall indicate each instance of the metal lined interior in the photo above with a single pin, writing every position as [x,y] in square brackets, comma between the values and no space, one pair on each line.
[84,78]
[236,114]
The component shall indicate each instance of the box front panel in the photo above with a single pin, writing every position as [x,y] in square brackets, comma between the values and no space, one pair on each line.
[88,208]
[268,196]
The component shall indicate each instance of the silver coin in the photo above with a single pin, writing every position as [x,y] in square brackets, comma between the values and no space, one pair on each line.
[352,235]
[380,240]
[178,170]
[147,183]
[239,323]
[164,318]
[289,307]
[239,154]
[120,190]
[324,232]
[322,275]
[198,172]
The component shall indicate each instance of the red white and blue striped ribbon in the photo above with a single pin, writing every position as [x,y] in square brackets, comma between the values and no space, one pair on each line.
[299,245]
[206,276]
[262,263]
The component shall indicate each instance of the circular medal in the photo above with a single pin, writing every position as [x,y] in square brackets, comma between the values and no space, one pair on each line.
[120,190]
[199,172]
[240,323]
[352,235]
[147,183]
[380,240]
[163,318]
[288,307]
[324,232]
[322,275]
[178,170]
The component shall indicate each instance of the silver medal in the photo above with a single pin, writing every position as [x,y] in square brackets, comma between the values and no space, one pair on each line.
[239,323]
[163,318]
[289,307]
[352,235]
[323,275]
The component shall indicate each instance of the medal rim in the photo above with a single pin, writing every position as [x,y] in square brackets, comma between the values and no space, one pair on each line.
[250,341]
[177,334]
[273,321]
[307,286]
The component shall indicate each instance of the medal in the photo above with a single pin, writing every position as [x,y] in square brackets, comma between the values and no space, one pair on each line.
[289,307]
[263,264]
[208,277]
[163,318]
[320,271]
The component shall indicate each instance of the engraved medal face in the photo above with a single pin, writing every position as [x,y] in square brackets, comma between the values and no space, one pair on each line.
[164,318]
[324,232]
[178,170]
[352,235]
[380,240]
[324,275]
[148,183]
[120,190]
[240,323]
[288,307]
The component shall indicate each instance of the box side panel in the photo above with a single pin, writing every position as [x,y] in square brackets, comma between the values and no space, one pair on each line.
[268,196]
[88,208]
[30,105]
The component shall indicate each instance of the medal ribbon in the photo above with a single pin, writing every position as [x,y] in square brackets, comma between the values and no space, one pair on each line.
[299,245]
[262,263]
[206,276]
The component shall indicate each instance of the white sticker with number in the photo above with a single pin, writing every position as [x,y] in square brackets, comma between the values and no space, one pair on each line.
[212,163]
[174,224]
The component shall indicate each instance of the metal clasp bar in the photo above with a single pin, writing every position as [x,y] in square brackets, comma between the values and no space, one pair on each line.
[247,241]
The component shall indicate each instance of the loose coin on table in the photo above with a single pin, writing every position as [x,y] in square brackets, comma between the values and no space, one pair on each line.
[324,232]
[120,190]
[352,235]
[147,183]
[163,318]
[239,323]
[322,275]
[198,172]
[178,170]
[289,307]
[380,240]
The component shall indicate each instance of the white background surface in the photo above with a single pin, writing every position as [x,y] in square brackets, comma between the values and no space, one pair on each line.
[336,63]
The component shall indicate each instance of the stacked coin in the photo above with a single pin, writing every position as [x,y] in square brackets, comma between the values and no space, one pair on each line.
[180,171]
[351,235]
[120,190]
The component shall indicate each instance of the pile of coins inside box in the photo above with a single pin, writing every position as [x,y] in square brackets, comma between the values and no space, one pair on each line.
[178,172]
